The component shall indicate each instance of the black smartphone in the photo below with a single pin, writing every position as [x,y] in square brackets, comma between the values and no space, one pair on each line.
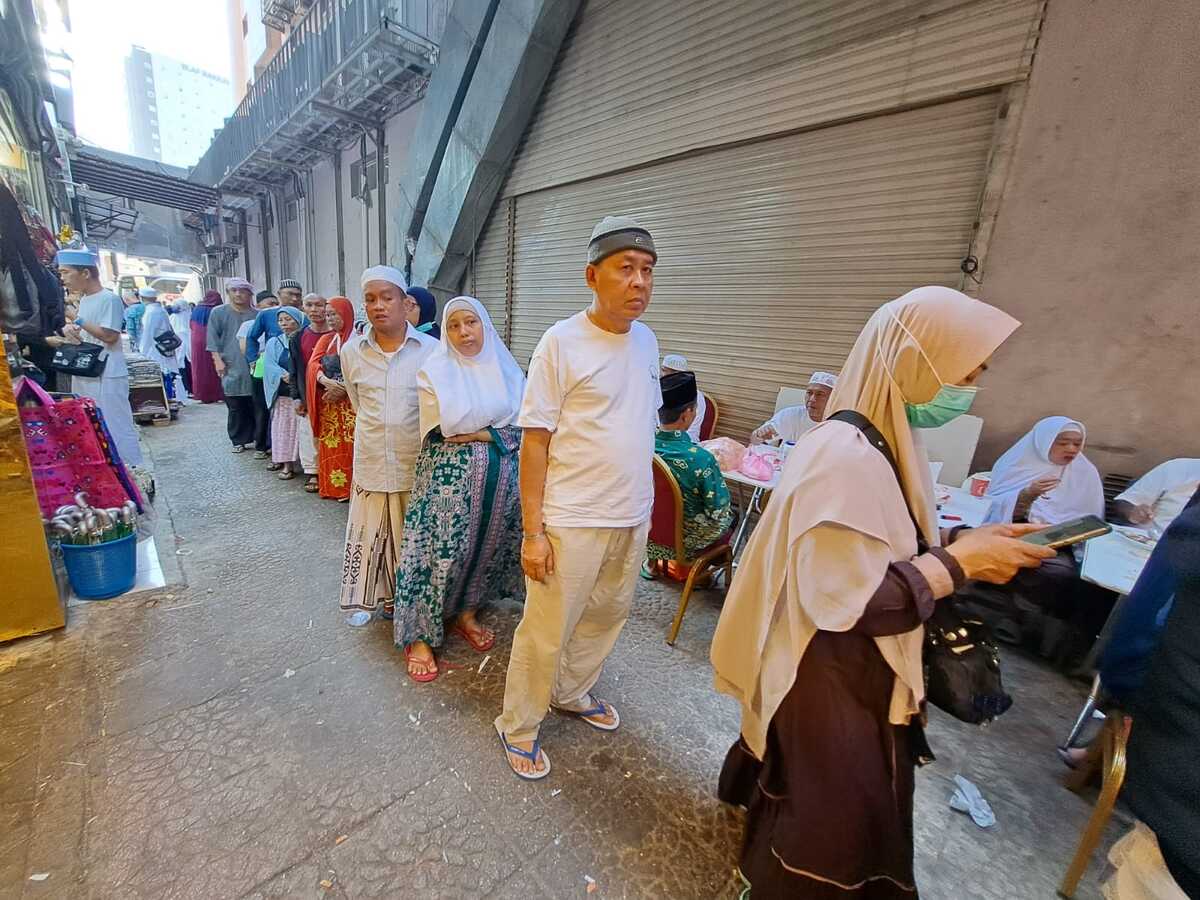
[1070,532]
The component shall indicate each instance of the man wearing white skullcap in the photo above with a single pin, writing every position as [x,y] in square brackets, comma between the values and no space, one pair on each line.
[100,319]
[792,421]
[155,324]
[672,364]
[379,371]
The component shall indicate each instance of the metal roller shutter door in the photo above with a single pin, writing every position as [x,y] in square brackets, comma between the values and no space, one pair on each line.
[637,81]
[488,281]
[773,254]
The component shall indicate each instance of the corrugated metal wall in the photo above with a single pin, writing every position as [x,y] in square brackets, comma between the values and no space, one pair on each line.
[771,256]
[799,163]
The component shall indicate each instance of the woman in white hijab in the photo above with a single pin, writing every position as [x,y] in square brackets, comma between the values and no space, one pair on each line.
[821,635]
[1045,478]
[462,530]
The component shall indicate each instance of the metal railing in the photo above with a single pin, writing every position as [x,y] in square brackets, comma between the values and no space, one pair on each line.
[331,34]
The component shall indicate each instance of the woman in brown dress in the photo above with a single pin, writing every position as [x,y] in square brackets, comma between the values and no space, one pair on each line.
[820,638]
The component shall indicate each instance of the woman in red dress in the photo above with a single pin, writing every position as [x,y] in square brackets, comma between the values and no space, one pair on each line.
[330,410]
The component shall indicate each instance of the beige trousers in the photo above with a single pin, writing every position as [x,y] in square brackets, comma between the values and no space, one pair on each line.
[570,624]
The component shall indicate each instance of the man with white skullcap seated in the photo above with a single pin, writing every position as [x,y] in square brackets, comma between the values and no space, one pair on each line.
[792,421]
[673,364]
[379,370]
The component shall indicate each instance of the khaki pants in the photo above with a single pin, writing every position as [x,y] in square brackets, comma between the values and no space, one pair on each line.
[570,624]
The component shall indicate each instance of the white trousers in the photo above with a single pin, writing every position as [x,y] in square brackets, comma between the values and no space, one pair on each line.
[570,624]
[308,447]
[112,396]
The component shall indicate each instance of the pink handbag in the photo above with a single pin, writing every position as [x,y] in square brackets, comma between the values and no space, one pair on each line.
[727,452]
[66,453]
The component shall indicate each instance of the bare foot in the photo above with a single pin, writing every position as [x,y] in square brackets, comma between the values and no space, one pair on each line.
[522,764]
[471,626]
[420,659]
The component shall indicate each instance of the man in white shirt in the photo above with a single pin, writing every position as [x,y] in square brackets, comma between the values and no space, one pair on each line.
[155,323]
[380,370]
[1161,494]
[100,319]
[792,421]
[586,492]
[673,364]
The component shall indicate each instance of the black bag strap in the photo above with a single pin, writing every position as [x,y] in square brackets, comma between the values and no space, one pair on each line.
[879,442]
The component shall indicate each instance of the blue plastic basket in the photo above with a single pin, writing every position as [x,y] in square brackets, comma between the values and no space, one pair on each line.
[100,571]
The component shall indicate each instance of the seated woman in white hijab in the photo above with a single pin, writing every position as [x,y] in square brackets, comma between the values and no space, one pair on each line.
[821,634]
[793,421]
[1045,478]
[462,530]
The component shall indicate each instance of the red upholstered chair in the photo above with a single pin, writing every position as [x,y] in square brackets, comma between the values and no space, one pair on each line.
[666,528]
[711,414]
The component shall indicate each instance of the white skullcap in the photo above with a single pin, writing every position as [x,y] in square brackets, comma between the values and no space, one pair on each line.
[823,378]
[384,273]
[675,361]
[148,293]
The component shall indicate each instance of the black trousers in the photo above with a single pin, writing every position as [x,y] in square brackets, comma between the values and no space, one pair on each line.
[240,420]
[186,374]
[262,417]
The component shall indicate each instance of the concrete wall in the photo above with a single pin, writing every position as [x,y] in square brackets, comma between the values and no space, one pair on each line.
[1094,246]
[360,224]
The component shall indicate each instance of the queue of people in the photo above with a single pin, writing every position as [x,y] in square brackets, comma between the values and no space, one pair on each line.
[470,481]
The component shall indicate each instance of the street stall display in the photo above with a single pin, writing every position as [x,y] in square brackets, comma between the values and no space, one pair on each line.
[99,547]
[70,451]
[147,393]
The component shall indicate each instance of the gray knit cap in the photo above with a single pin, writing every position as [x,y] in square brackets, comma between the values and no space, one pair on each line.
[616,233]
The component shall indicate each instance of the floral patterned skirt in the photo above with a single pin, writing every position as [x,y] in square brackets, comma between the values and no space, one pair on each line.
[335,449]
[462,535]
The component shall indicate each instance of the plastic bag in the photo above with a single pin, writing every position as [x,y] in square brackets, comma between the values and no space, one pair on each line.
[758,466]
[728,452]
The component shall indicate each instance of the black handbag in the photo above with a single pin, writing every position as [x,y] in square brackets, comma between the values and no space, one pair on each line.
[168,342]
[331,365]
[85,360]
[961,659]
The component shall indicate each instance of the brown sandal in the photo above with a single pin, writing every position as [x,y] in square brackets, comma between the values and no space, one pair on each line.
[312,486]
[286,475]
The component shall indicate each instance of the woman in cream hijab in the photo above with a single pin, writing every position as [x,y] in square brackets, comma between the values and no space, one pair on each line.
[821,635]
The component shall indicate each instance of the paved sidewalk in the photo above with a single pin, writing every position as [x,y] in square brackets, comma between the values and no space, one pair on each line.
[231,737]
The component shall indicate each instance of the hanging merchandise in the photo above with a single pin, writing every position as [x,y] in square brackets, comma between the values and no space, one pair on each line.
[71,451]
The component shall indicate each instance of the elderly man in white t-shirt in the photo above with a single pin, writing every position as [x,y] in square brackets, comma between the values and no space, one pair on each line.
[792,421]
[586,492]
[1161,494]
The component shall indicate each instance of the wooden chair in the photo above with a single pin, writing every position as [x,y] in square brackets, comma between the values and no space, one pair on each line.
[712,413]
[1110,746]
[666,528]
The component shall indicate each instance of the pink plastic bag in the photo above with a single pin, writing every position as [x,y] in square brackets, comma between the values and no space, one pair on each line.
[757,466]
[727,451]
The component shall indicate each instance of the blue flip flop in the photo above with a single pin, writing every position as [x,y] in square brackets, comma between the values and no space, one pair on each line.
[531,755]
[598,710]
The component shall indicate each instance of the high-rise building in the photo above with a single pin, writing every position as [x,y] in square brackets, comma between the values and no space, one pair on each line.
[252,42]
[173,107]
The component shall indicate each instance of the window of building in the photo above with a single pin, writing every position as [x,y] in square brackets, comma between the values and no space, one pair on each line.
[293,210]
[245,26]
[365,169]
